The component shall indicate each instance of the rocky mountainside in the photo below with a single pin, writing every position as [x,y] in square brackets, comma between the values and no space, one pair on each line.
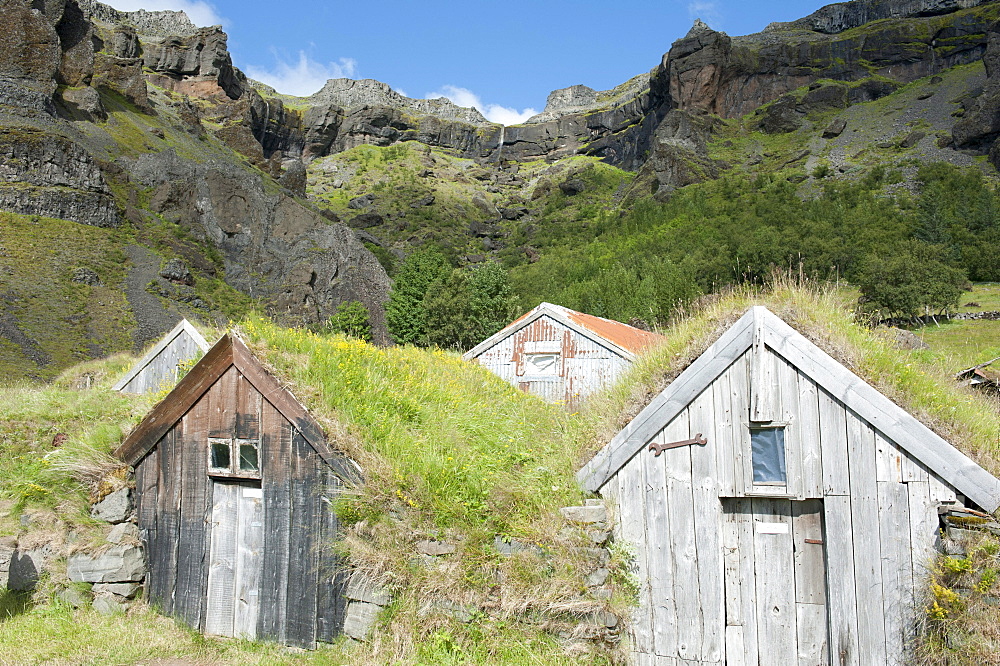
[219,194]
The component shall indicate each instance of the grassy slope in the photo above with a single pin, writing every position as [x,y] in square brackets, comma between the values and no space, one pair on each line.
[449,452]
[464,192]
[963,344]
[67,321]
[47,321]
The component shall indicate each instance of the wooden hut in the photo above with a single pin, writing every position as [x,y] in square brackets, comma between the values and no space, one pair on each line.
[559,354]
[234,483]
[158,369]
[782,510]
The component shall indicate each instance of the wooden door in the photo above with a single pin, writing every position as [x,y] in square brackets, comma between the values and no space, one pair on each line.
[775,582]
[235,559]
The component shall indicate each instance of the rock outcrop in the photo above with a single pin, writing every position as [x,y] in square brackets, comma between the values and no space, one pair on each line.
[274,248]
[728,76]
[49,175]
[979,129]
[842,16]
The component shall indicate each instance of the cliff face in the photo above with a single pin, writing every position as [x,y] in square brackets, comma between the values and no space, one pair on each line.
[98,128]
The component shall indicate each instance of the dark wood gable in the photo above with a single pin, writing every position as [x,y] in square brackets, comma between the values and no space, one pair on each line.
[272,562]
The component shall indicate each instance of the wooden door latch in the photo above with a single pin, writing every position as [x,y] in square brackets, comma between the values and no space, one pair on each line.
[660,448]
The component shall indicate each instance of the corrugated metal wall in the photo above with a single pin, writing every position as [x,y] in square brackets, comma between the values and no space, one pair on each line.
[585,365]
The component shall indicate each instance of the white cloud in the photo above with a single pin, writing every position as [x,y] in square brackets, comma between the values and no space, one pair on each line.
[495,113]
[200,13]
[304,77]
[707,11]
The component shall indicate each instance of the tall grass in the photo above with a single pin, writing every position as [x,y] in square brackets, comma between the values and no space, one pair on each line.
[444,439]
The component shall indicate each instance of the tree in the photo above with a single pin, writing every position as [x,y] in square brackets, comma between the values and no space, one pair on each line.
[493,301]
[351,318]
[909,282]
[405,314]
[469,305]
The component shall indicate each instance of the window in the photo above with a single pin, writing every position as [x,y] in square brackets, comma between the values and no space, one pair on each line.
[234,457]
[767,453]
[541,364]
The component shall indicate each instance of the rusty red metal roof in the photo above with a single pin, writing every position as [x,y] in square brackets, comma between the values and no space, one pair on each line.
[627,337]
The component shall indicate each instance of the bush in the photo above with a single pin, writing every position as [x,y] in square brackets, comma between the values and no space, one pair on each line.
[351,318]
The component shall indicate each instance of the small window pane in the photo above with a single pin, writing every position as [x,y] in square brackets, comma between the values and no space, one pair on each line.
[541,364]
[248,458]
[220,455]
[767,449]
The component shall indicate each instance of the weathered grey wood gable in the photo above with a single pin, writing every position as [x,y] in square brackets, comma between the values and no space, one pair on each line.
[158,369]
[587,353]
[239,537]
[823,568]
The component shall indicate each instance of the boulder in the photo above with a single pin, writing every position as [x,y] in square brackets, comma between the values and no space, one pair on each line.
[126,590]
[572,187]
[435,548]
[109,604]
[7,551]
[597,577]
[366,221]
[26,568]
[360,588]
[912,139]
[84,102]
[359,619]
[835,128]
[513,212]
[115,508]
[74,597]
[584,514]
[118,564]
[361,202]
[124,533]
[294,178]
[86,276]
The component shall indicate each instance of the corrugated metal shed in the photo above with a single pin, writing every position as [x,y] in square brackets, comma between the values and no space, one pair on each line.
[561,355]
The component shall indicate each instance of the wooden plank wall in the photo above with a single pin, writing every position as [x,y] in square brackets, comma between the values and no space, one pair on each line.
[586,365]
[161,372]
[874,510]
[301,587]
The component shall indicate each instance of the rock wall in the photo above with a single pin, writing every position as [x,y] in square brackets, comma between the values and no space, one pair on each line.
[301,264]
[836,18]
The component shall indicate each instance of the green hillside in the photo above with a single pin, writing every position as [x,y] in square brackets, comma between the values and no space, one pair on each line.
[448,452]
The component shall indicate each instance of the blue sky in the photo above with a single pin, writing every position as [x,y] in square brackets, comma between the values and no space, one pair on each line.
[502,57]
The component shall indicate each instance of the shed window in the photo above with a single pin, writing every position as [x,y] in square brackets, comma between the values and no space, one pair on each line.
[234,457]
[220,454]
[248,457]
[767,452]
[541,364]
